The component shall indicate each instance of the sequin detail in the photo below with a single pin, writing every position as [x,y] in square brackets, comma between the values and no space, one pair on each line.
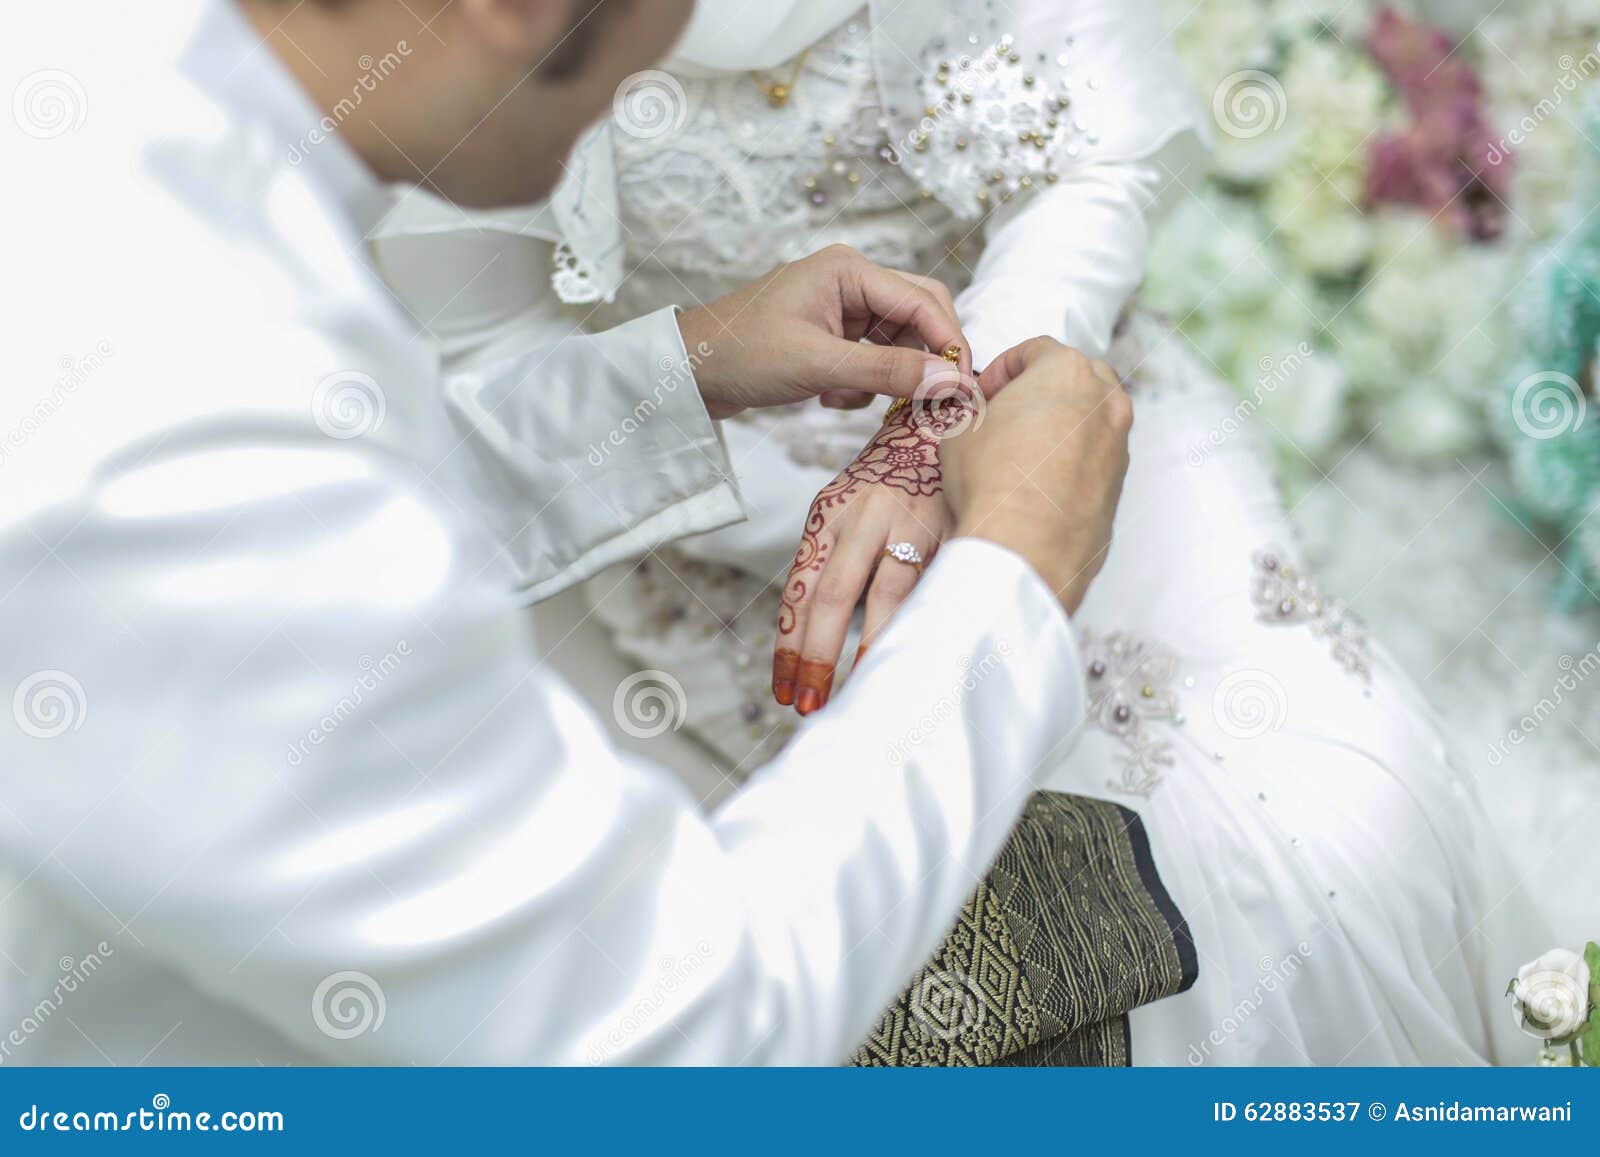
[992,127]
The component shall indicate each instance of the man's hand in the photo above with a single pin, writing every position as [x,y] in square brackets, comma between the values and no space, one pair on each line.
[1042,473]
[799,331]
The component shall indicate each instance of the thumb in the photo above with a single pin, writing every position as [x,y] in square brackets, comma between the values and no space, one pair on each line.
[1014,362]
[845,399]
[838,364]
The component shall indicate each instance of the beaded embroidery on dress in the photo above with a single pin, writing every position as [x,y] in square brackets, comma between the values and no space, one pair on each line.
[1132,697]
[1283,594]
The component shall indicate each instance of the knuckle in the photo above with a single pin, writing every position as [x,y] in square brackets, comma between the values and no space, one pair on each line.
[1070,363]
[885,368]
[1119,411]
[836,594]
[1041,346]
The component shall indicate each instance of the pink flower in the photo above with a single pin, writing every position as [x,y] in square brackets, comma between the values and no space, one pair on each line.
[1447,161]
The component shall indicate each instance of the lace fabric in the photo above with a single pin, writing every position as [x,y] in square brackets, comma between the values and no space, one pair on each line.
[743,186]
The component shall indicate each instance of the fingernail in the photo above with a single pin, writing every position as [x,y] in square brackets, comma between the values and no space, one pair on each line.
[816,680]
[860,651]
[785,669]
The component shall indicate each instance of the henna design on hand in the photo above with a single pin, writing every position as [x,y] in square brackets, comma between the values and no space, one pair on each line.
[904,454]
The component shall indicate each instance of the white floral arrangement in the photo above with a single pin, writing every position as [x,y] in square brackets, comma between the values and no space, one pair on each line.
[1376,187]
[1556,999]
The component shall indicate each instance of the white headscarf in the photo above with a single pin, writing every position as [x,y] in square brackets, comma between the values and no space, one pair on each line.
[738,35]
[1111,59]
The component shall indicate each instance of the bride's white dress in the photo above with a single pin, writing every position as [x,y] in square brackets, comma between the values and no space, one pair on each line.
[1347,901]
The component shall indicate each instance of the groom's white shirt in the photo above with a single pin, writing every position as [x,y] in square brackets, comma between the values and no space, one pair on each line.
[285,778]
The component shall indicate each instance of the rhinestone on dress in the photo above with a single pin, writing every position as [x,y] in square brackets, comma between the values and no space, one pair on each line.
[996,119]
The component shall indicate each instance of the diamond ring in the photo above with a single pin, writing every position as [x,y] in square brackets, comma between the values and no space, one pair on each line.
[906,553]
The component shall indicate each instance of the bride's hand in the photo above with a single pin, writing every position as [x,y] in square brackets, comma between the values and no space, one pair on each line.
[890,494]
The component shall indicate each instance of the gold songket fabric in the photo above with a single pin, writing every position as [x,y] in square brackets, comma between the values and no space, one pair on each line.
[1070,930]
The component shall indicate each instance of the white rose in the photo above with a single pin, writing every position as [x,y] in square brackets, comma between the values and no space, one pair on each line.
[1307,409]
[1211,254]
[1457,17]
[1322,234]
[1550,996]
[1427,423]
[1250,162]
[1214,40]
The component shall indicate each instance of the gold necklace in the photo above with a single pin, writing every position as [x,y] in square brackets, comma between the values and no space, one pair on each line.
[778,93]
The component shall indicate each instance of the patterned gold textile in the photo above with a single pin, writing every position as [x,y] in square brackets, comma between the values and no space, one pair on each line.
[1070,930]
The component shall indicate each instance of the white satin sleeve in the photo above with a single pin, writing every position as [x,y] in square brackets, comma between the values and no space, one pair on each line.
[584,449]
[1062,263]
[329,748]
[589,449]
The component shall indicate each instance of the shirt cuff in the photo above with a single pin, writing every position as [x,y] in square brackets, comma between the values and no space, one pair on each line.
[688,459]
[594,450]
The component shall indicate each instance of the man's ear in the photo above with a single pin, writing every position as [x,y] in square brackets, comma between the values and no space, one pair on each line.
[524,29]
